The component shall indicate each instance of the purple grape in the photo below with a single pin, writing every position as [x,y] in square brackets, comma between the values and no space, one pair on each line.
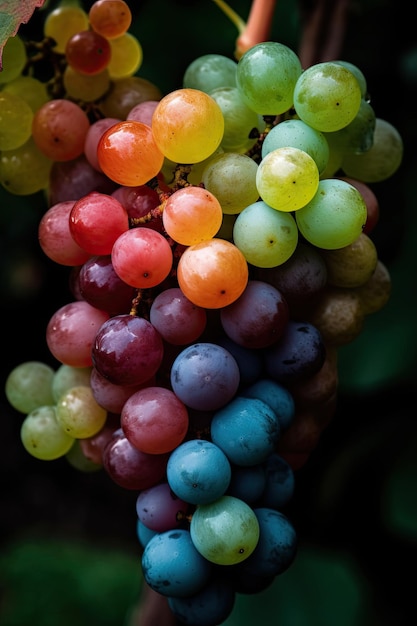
[127,350]
[205,376]
[71,180]
[159,509]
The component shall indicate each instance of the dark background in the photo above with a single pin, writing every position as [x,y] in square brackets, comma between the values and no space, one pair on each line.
[68,539]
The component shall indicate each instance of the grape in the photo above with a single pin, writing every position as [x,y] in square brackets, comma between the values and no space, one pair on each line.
[85,87]
[371,201]
[231,178]
[359,75]
[62,23]
[78,413]
[353,265]
[59,129]
[15,121]
[14,58]
[327,96]
[125,93]
[142,257]
[42,435]
[126,56]
[257,318]
[358,136]
[29,386]
[31,89]
[375,293]
[96,221]
[261,92]
[127,350]
[127,153]
[276,396]
[24,170]
[287,179]
[213,273]
[187,125]
[297,134]
[138,201]
[198,471]
[177,320]
[210,71]
[266,237]
[226,531]
[299,354]
[246,429]
[240,122]
[335,217]
[212,605]
[143,112]
[101,287]
[66,377]
[172,566]
[88,52]
[154,420]
[205,376]
[338,315]
[247,483]
[144,534]
[382,160]
[320,387]
[192,215]
[71,331]
[279,484]
[55,236]
[110,396]
[110,18]
[249,361]
[159,509]
[129,467]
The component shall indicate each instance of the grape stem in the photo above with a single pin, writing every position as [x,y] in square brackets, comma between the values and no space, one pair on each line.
[256,29]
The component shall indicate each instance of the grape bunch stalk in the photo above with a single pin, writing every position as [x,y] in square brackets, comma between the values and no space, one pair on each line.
[218,243]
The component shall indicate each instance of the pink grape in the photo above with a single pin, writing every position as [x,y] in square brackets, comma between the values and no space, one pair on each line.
[71,331]
[142,257]
[96,221]
[55,236]
[143,112]
[93,136]
[59,129]
[154,420]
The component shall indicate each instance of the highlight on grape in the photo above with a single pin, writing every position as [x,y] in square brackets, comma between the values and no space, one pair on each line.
[218,245]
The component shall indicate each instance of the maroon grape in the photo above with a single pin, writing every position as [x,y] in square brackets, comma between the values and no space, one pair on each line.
[178,320]
[101,286]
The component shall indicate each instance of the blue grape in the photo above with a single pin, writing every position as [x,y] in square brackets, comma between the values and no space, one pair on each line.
[144,533]
[247,483]
[172,566]
[276,396]
[299,353]
[249,361]
[210,606]
[246,429]
[205,376]
[198,471]
[279,483]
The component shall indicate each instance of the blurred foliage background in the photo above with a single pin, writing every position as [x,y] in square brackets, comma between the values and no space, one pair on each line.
[69,552]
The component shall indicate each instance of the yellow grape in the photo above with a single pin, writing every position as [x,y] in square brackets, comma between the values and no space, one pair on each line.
[187,125]
[126,56]
[64,22]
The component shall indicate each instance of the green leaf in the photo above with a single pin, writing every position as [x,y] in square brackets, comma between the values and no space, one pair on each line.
[13,13]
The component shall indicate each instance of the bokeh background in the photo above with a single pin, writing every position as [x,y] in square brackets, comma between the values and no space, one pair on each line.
[69,552]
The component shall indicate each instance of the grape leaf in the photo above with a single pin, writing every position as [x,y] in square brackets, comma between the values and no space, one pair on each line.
[13,13]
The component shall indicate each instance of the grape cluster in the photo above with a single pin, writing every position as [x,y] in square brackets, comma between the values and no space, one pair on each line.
[219,246]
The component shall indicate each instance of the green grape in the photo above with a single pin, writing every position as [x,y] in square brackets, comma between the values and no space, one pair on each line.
[297,134]
[84,87]
[126,56]
[14,59]
[77,459]
[231,177]
[266,77]
[64,22]
[67,377]
[335,217]
[42,436]
[240,121]
[359,75]
[226,531]
[266,237]
[196,171]
[78,413]
[210,71]
[25,170]
[382,160]
[29,386]
[30,89]
[15,121]
[327,96]
[358,136]
[287,178]
[336,154]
